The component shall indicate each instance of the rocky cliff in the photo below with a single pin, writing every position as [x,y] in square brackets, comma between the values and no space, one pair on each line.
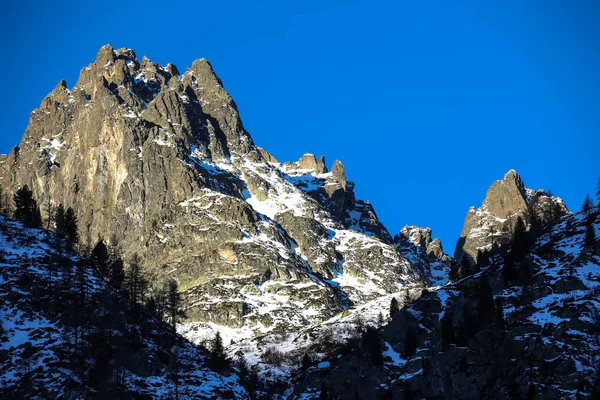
[491,225]
[158,163]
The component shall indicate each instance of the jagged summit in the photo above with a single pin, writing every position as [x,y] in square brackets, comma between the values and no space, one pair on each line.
[424,251]
[492,224]
[159,163]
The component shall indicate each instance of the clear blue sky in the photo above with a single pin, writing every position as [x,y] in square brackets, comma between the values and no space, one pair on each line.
[426,103]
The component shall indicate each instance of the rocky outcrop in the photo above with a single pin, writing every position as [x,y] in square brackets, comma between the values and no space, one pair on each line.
[159,163]
[339,172]
[425,252]
[491,226]
[267,156]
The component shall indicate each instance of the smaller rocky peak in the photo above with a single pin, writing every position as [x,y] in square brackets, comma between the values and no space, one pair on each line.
[339,172]
[267,156]
[125,54]
[309,161]
[105,55]
[416,243]
[506,196]
[435,249]
[172,69]
[420,237]
[204,74]
[58,95]
[491,226]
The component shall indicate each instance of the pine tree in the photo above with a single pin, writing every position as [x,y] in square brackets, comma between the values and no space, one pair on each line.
[174,302]
[448,335]
[372,341]
[380,320]
[587,204]
[59,220]
[410,343]
[26,208]
[520,245]
[394,308]
[137,285]
[116,272]
[100,259]
[598,192]
[71,230]
[218,360]
[590,234]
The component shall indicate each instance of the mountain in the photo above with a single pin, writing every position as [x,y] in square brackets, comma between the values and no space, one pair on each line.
[492,225]
[159,165]
[534,336]
[310,293]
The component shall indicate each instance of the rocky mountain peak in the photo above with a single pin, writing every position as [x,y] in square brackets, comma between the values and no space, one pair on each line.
[161,164]
[425,252]
[339,172]
[309,161]
[507,196]
[492,224]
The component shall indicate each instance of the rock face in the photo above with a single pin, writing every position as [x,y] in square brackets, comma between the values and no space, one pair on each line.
[425,252]
[159,163]
[492,224]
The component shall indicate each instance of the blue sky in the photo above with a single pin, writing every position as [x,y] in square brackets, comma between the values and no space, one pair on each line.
[426,103]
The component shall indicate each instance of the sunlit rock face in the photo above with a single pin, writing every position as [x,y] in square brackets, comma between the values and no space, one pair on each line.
[491,225]
[158,163]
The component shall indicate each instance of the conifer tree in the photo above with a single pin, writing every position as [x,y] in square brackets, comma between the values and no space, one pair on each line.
[26,208]
[587,204]
[590,234]
[71,230]
[372,341]
[598,192]
[218,360]
[520,244]
[174,302]
[116,272]
[100,259]
[59,220]
[394,308]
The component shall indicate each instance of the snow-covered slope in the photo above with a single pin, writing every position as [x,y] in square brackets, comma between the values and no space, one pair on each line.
[47,341]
